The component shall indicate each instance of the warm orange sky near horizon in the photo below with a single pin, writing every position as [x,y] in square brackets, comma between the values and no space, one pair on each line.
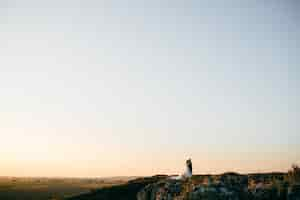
[69,159]
[131,88]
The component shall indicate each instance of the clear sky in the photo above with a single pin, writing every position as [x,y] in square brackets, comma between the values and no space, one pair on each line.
[109,88]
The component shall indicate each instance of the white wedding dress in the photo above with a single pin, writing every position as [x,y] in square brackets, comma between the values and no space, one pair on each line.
[188,171]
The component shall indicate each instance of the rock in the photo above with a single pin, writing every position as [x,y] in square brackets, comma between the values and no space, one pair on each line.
[163,190]
[179,190]
[264,193]
[212,193]
[294,192]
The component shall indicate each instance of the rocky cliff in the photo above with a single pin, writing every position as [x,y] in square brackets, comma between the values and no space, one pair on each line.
[224,187]
[229,186]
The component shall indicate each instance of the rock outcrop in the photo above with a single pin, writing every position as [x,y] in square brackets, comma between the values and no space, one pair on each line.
[228,186]
[294,192]
[166,189]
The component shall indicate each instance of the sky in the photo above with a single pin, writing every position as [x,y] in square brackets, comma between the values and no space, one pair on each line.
[133,88]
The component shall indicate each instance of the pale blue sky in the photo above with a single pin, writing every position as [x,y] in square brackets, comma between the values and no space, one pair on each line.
[151,82]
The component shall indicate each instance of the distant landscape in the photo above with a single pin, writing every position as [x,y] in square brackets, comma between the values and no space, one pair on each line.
[52,188]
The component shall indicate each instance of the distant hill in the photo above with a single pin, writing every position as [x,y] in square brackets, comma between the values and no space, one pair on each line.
[126,191]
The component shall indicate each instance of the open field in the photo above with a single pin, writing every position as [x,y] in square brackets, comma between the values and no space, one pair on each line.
[12,188]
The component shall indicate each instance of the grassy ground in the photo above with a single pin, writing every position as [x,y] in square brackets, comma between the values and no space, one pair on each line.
[50,188]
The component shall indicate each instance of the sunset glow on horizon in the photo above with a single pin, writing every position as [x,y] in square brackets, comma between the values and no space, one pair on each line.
[134,88]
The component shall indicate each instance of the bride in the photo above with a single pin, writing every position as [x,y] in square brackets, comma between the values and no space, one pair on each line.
[188,171]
